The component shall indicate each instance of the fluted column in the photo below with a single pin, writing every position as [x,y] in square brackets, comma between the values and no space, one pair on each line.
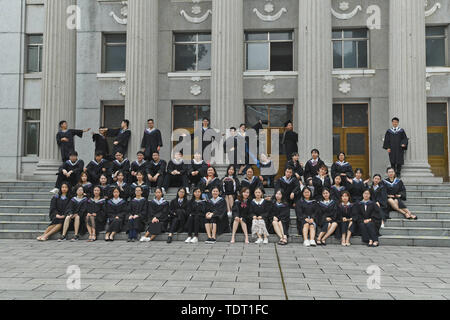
[58,82]
[315,97]
[407,89]
[142,68]
[227,101]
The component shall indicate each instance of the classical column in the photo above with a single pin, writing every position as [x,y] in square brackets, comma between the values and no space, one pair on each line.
[142,68]
[227,93]
[315,96]
[407,89]
[58,83]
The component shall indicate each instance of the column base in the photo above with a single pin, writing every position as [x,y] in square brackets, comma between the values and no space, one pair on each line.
[45,170]
[419,173]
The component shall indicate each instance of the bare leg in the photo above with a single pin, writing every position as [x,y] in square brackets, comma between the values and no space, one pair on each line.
[214,231]
[235,227]
[244,229]
[153,237]
[312,232]
[112,235]
[77,224]
[51,231]
[208,230]
[66,225]
[88,227]
[305,231]
[331,229]
[276,227]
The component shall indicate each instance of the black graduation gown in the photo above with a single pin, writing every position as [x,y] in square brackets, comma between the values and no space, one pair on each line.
[178,213]
[341,168]
[78,207]
[372,212]
[252,185]
[212,184]
[356,189]
[230,185]
[97,207]
[151,140]
[114,210]
[394,140]
[319,185]
[348,213]
[69,146]
[228,145]
[219,210]
[95,170]
[60,206]
[122,137]
[282,212]
[145,190]
[312,170]
[327,210]
[241,209]
[155,168]
[200,167]
[287,187]
[380,195]
[77,169]
[337,192]
[296,167]
[101,144]
[125,191]
[88,189]
[289,143]
[137,207]
[396,188]
[159,211]
[197,209]
[139,167]
[121,166]
[306,210]
[263,210]
[105,191]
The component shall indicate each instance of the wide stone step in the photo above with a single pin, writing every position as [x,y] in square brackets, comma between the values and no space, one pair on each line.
[429,207]
[428,187]
[415,241]
[423,214]
[23,189]
[38,226]
[28,183]
[32,217]
[428,200]
[436,193]
[422,223]
[415,231]
[22,209]
[26,195]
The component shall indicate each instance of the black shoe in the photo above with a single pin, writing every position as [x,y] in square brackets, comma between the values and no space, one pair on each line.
[128,240]
[169,239]
[62,238]
[75,238]
[213,240]
[133,240]
[208,240]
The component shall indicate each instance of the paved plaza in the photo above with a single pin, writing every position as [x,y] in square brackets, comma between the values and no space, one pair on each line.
[120,270]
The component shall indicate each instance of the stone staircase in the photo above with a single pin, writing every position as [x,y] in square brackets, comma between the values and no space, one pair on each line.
[24,215]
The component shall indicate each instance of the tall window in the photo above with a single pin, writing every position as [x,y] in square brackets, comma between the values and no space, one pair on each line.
[31,125]
[350,48]
[436,43]
[114,52]
[34,53]
[269,51]
[192,51]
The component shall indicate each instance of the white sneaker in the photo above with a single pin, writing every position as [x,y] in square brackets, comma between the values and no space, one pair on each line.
[145,239]
[54,191]
[312,243]
[259,241]
[306,243]
[188,240]
[382,226]
[230,214]
[266,241]
[194,240]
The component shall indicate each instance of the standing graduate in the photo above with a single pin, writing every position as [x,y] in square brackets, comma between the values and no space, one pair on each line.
[140,182]
[321,181]
[75,215]
[216,219]
[241,215]
[396,193]
[289,142]
[357,185]
[289,186]
[101,143]
[396,143]
[307,212]
[59,207]
[345,218]
[252,182]
[249,157]
[296,166]
[197,170]
[95,214]
[156,171]
[260,210]
[281,217]
[135,219]
[230,146]
[65,139]
[69,171]
[342,168]
[178,211]
[378,194]
[195,215]
[139,165]
[313,165]
[202,144]
[116,210]
[230,187]
[337,188]
[328,220]
[152,140]
[121,137]
[120,164]
[367,216]
[97,167]
[157,217]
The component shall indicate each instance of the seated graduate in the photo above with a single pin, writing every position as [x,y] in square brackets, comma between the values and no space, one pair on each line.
[321,181]
[265,163]
[75,215]
[122,185]
[116,210]
[135,219]
[260,210]
[139,165]
[157,217]
[307,212]
[252,182]
[197,170]
[230,187]
[313,165]
[378,194]
[97,167]
[87,186]
[296,166]
[396,194]
[367,216]
[345,218]
[357,185]
[140,182]
[59,207]
[342,168]
[281,217]
[176,175]
[309,183]
[241,215]
[337,188]
[208,182]
[328,220]
[120,164]
[196,212]
[95,214]
[289,186]
[156,170]
[105,187]
[216,218]
[178,211]
[69,172]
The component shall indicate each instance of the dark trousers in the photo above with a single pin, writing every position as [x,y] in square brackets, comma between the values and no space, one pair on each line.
[132,231]
[368,232]
[72,180]
[193,224]
[158,184]
[397,168]
[176,181]
[174,221]
[195,180]
[114,226]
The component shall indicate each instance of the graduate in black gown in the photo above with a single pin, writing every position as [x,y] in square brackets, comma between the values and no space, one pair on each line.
[307,212]
[345,212]
[267,170]
[249,157]
[176,175]
[337,188]
[216,218]
[321,181]
[252,182]
[157,217]
[195,216]
[328,220]
[178,211]
[122,185]
[289,141]
[289,186]
[396,143]
[197,170]
[69,171]
[88,187]
[139,165]
[313,165]
[378,194]
[95,214]
[120,164]
[101,143]
[396,193]
[201,144]
[367,217]
[156,171]
[357,185]
[241,215]
[152,140]
[59,207]
[65,139]
[97,167]
[230,146]
[140,182]
[121,137]
[296,166]
[281,217]
[116,211]
[105,187]
[135,219]
[76,215]
[208,182]
[260,210]
[230,187]
[342,168]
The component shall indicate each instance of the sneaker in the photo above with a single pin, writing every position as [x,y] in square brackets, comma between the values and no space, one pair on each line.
[382,226]
[188,240]
[62,238]
[266,241]
[230,214]
[306,243]
[169,239]
[75,238]
[194,240]
[208,240]
[54,191]
[213,241]
[259,241]
[128,240]
[312,243]
[145,239]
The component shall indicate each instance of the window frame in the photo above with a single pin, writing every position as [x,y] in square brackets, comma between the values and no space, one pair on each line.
[40,50]
[197,42]
[25,131]
[113,44]
[342,40]
[445,37]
